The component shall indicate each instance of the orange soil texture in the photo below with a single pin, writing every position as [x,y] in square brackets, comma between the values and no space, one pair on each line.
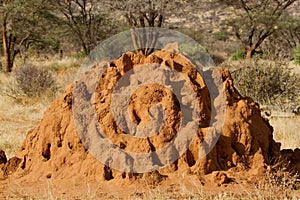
[55,156]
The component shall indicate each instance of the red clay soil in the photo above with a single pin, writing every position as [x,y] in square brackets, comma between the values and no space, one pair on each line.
[53,153]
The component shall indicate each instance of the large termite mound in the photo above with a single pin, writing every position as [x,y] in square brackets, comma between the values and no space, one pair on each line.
[54,149]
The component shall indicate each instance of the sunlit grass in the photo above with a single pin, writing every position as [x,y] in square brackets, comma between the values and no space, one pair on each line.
[287,131]
[17,117]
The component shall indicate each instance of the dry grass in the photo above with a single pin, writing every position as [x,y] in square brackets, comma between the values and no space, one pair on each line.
[286,131]
[262,191]
[17,118]
[269,187]
[54,63]
[15,121]
[274,185]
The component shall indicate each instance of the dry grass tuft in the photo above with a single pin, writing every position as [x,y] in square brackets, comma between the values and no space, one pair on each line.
[15,121]
[60,64]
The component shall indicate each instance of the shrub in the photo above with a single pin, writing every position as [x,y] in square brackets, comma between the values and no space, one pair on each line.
[268,83]
[80,54]
[239,54]
[31,81]
[197,53]
[221,35]
[297,55]
[193,50]
[218,59]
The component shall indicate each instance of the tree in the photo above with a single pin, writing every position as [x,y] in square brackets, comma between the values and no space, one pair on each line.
[283,41]
[24,24]
[9,38]
[146,13]
[256,20]
[85,20]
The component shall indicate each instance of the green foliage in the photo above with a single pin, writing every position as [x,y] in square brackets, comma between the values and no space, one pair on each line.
[221,35]
[85,24]
[198,53]
[268,83]
[31,22]
[283,43]
[193,51]
[80,55]
[33,81]
[255,21]
[297,55]
[26,25]
[239,54]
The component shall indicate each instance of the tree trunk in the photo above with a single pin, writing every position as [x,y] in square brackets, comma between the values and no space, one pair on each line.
[6,49]
[250,53]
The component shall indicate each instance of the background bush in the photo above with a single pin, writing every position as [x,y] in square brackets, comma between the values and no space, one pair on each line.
[268,83]
[30,82]
[221,35]
[34,81]
[197,53]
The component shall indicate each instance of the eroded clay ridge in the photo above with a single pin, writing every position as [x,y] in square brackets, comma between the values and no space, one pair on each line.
[54,149]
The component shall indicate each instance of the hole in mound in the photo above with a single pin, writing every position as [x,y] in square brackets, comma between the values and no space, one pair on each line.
[3,158]
[136,118]
[24,163]
[108,173]
[190,158]
[59,144]
[46,151]
[48,176]
[122,145]
[70,145]
[123,175]
[178,67]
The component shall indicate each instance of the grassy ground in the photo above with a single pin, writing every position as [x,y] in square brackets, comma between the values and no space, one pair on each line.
[187,188]
[15,121]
